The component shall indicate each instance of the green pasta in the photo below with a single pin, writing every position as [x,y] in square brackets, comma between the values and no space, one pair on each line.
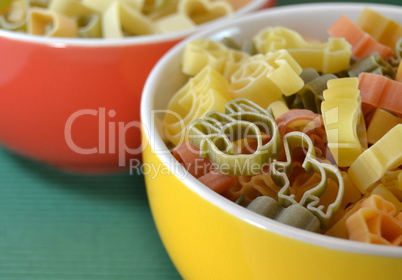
[214,136]
[230,43]
[294,215]
[310,96]
[372,64]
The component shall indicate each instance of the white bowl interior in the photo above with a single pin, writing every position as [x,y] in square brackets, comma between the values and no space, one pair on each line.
[311,20]
[144,39]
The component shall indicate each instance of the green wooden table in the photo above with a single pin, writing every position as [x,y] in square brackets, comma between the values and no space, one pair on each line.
[55,225]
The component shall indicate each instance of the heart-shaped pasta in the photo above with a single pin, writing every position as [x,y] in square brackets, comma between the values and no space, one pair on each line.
[52,24]
[265,78]
[71,8]
[330,57]
[201,11]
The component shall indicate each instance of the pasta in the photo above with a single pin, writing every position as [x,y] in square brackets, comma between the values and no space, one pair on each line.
[72,8]
[273,73]
[201,11]
[52,24]
[385,31]
[311,144]
[330,57]
[372,64]
[243,119]
[381,122]
[268,207]
[343,120]
[392,181]
[311,95]
[381,92]
[120,19]
[14,15]
[188,155]
[310,198]
[173,23]
[89,26]
[307,122]
[371,165]
[208,91]
[362,43]
[376,222]
[113,18]
[203,52]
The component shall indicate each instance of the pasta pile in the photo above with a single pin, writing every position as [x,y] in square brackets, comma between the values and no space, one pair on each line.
[110,18]
[304,132]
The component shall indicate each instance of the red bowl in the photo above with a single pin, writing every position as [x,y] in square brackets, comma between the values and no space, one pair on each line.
[74,103]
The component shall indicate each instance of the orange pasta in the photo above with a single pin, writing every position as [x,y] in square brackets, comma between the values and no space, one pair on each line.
[376,222]
[362,43]
[305,121]
[252,187]
[381,92]
[189,156]
[217,181]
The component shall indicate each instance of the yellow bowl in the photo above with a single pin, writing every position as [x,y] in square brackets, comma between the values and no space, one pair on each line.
[208,236]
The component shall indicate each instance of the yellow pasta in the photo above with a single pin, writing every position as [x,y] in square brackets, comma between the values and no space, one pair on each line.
[264,78]
[71,8]
[5,5]
[384,155]
[392,180]
[331,57]
[343,120]
[52,24]
[207,91]
[202,52]
[381,28]
[278,108]
[89,26]
[102,5]
[201,11]
[40,3]
[152,5]
[15,15]
[120,19]
[381,122]
[233,62]
[174,22]
[389,192]
[398,76]
[88,19]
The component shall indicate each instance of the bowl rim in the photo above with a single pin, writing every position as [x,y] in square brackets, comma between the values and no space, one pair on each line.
[157,143]
[134,40]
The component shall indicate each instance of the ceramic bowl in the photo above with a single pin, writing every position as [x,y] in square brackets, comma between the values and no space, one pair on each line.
[74,103]
[210,237]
